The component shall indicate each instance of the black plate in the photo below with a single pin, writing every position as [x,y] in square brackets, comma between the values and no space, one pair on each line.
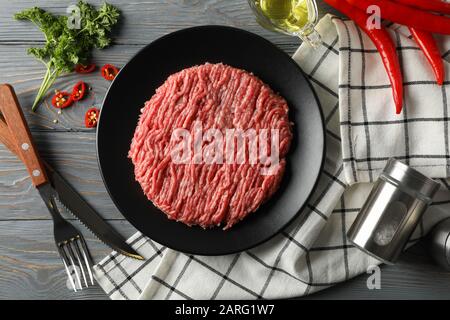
[137,82]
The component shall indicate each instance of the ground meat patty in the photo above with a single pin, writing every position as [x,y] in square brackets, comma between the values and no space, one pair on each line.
[208,194]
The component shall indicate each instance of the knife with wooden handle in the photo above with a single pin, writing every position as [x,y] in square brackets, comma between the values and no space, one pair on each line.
[16,136]
[21,136]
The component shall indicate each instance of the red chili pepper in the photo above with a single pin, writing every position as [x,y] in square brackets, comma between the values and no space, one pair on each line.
[79,91]
[429,47]
[429,5]
[81,68]
[62,100]
[406,15]
[385,46]
[109,72]
[91,117]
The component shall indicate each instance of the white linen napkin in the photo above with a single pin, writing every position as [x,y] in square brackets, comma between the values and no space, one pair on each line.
[313,252]
[371,131]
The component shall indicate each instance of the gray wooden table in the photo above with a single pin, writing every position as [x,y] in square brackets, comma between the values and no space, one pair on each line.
[29,265]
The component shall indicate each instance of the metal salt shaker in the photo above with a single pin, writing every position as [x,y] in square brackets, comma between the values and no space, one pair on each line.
[392,211]
[439,243]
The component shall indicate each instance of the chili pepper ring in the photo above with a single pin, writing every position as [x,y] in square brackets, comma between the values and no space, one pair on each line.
[62,100]
[109,72]
[81,68]
[91,117]
[79,91]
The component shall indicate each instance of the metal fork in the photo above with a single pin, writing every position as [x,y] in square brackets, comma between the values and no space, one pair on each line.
[15,134]
[71,246]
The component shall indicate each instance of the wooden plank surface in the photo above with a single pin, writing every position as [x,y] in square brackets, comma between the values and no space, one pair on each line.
[143,20]
[415,276]
[73,156]
[29,265]
[30,269]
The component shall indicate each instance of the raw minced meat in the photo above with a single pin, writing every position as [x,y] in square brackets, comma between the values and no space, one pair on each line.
[220,97]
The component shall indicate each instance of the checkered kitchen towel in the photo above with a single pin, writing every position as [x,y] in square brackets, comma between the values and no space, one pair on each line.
[362,132]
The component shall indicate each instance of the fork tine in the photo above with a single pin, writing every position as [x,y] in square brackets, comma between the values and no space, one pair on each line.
[74,244]
[65,260]
[71,255]
[87,258]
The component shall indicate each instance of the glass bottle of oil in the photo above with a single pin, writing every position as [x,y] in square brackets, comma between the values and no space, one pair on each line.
[294,17]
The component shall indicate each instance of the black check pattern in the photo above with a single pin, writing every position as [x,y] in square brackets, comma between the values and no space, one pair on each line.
[372,132]
[313,252]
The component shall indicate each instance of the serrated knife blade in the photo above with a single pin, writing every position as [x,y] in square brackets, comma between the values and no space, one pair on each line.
[88,216]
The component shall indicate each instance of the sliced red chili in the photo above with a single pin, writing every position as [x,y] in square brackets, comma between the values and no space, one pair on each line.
[91,117]
[62,100]
[79,91]
[81,68]
[109,72]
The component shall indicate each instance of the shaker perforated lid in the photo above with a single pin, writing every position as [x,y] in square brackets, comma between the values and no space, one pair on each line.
[411,179]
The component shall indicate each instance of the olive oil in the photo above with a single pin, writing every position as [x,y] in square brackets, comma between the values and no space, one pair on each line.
[288,15]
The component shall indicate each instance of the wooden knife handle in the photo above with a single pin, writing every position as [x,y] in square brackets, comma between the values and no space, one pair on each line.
[21,135]
[6,138]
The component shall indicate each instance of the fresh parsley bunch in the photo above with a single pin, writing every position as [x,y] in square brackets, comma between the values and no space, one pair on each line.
[66,47]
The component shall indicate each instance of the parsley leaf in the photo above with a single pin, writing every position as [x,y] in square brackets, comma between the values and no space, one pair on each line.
[66,47]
